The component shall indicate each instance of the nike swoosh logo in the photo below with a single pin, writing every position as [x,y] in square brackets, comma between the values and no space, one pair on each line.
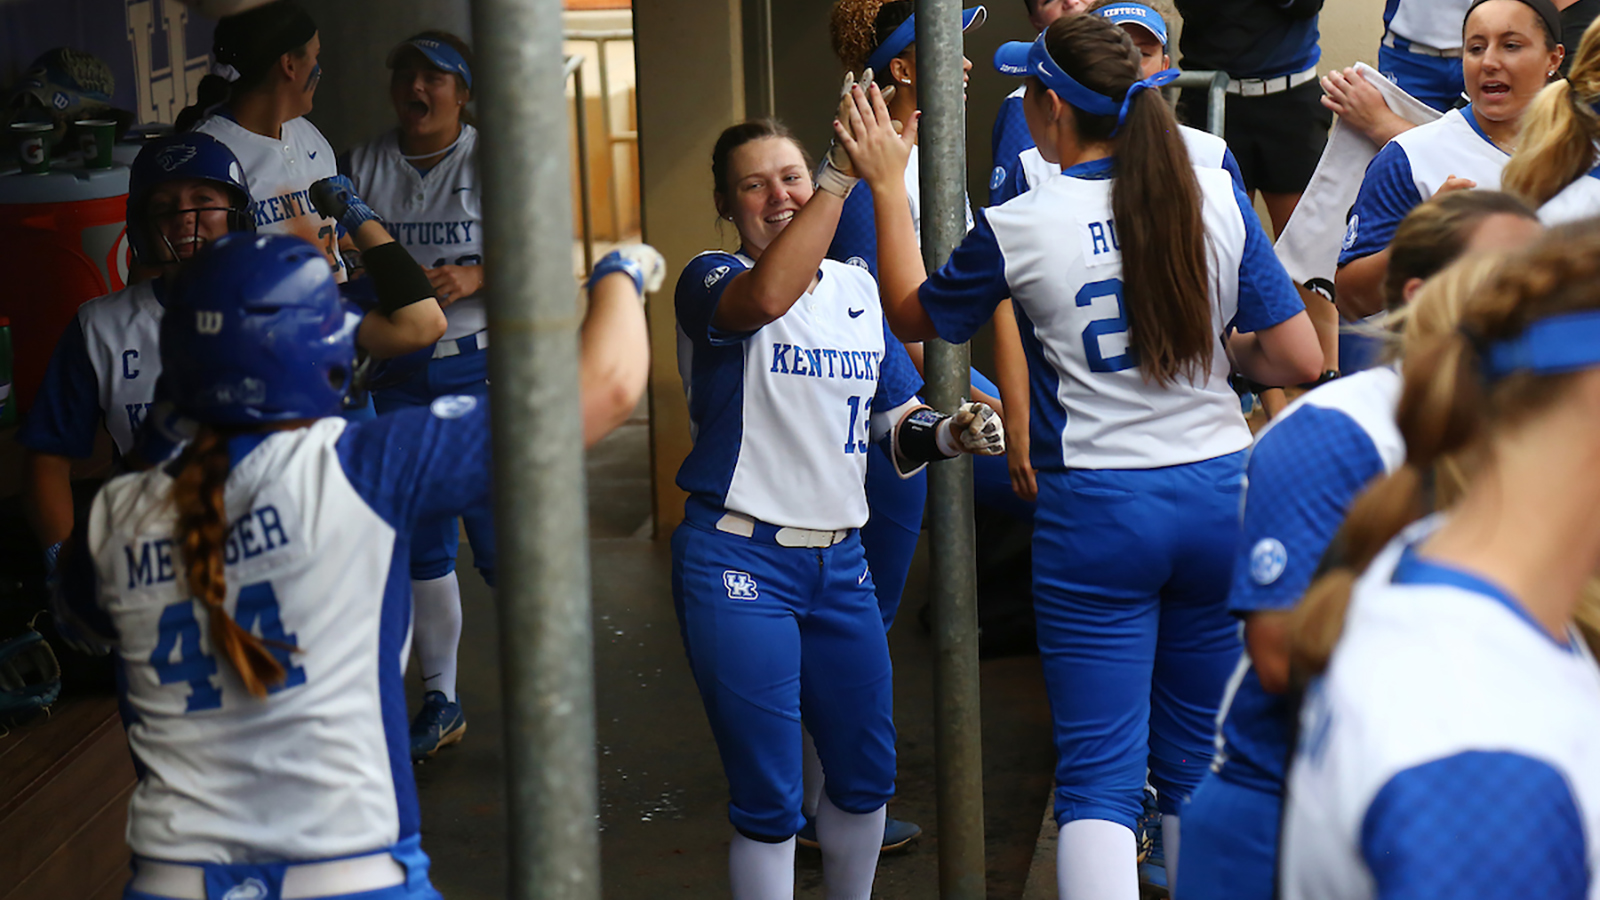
[312,154]
[854,313]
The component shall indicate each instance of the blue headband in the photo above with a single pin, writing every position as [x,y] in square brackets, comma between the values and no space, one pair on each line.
[440,55]
[1020,59]
[1566,343]
[905,34]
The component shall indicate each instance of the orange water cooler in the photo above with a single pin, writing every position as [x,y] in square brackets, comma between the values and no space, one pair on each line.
[65,241]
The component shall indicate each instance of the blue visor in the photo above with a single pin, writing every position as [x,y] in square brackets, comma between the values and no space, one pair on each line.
[1552,346]
[440,55]
[1022,59]
[1136,14]
[906,34]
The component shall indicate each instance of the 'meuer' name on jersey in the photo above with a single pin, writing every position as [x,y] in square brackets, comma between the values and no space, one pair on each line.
[825,362]
[252,534]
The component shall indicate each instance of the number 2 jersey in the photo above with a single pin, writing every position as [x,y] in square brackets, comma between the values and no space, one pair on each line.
[1451,749]
[436,215]
[316,551]
[782,415]
[1055,252]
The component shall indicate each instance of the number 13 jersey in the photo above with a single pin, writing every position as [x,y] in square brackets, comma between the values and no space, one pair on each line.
[1056,253]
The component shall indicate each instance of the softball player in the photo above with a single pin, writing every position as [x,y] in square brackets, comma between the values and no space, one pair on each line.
[1421,49]
[422,177]
[1511,52]
[1451,677]
[790,385]
[255,101]
[1137,439]
[1010,135]
[1553,166]
[1347,431]
[1148,29]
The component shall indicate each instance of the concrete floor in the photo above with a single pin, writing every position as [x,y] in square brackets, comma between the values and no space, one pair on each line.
[663,797]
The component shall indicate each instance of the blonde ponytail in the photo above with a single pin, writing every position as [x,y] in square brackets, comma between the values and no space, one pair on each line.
[198,495]
[1559,130]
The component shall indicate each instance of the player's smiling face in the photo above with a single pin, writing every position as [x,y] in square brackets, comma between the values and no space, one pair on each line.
[426,100]
[1504,59]
[769,183]
[187,214]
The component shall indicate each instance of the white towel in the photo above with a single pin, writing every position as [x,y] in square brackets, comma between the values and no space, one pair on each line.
[1309,245]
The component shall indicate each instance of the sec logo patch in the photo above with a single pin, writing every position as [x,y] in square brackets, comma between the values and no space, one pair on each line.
[453,406]
[997,177]
[1350,232]
[1268,558]
[716,275]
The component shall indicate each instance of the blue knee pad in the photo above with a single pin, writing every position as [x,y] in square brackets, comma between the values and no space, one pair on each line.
[889,538]
[773,634]
[1230,842]
[1435,80]
[1131,576]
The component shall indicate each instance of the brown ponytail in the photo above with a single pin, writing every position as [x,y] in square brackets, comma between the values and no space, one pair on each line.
[1164,267]
[1446,408]
[1559,129]
[197,492]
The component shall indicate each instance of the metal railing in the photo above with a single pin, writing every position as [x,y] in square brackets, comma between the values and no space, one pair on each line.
[1215,84]
[610,133]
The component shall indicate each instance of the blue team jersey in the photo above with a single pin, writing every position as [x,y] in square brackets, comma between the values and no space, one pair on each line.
[1451,749]
[317,563]
[1409,169]
[1054,252]
[1009,138]
[782,415]
[1305,470]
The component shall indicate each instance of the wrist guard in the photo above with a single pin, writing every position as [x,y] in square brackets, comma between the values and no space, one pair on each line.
[396,278]
[835,182]
[923,437]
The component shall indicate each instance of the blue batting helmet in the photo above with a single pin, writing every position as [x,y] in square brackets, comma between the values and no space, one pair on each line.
[254,332]
[189,155]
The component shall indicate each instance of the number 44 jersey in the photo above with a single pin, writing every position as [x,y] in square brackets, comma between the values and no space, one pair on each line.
[1056,252]
[315,549]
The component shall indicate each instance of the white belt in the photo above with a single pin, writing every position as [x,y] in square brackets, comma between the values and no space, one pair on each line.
[745,526]
[1389,40]
[468,344]
[372,872]
[1258,87]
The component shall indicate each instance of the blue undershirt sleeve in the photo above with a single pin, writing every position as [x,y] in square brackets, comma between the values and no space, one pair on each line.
[66,413]
[855,241]
[1267,296]
[1388,192]
[423,462]
[1303,474]
[964,292]
[699,291]
[1478,825]
[898,380]
[1009,138]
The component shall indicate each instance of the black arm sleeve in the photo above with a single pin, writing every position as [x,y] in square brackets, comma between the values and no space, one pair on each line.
[396,278]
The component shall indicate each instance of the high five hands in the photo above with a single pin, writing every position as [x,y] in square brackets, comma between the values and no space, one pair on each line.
[876,144]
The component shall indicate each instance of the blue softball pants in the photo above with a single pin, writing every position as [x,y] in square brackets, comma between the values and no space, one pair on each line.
[1435,80]
[436,543]
[1230,841]
[1131,569]
[773,634]
[264,881]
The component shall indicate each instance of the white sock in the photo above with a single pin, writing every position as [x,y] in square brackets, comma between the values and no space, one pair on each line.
[813,775]
[850,845]
[1095,860]
[761,871]
[437,605]
[1169,846]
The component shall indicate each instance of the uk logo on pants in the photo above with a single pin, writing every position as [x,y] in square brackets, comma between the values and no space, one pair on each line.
[740,585]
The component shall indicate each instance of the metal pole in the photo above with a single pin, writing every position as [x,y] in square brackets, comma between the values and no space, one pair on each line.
[1215,84]
[953,576]
[580,119]
[546,646]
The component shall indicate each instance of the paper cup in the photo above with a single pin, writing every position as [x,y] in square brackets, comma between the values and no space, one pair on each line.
[33,147]
[95,137]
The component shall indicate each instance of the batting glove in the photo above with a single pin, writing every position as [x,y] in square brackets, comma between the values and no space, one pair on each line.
[837,175]
[975,428]
[641,262]
[336,198]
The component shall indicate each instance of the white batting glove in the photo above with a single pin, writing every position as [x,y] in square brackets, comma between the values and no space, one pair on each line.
[837,175]
[975,428]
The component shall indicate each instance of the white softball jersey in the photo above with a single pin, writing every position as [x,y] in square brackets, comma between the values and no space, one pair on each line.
[1054,251]
[782,416]
[436,215]
[1409,169]
[316,557]
[1206,150]
[279,172]
[1452,748]
[1434,23]
[1578,200]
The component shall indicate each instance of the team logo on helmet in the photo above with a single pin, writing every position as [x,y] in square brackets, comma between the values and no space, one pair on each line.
[208,321]
[175,156]
[1268,558]
[248,889]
